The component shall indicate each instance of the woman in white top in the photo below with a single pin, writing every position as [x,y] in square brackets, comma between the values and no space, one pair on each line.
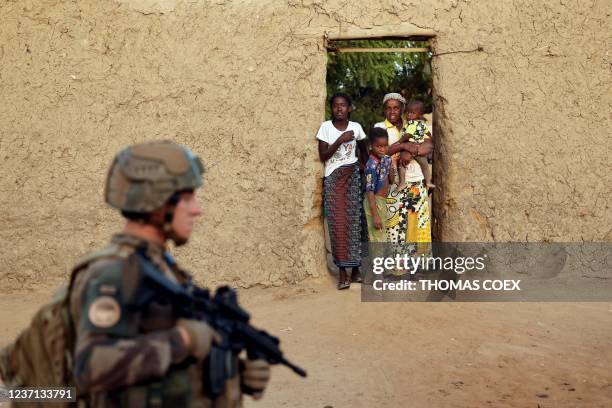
[408,218]
[339,140]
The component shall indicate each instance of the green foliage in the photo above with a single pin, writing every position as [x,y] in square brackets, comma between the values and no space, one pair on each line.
[367,77]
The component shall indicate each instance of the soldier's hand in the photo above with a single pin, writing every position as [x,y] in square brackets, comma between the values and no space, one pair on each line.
[201,336]
[255,377]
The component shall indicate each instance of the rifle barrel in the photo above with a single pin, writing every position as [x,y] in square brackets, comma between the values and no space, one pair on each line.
[298,370]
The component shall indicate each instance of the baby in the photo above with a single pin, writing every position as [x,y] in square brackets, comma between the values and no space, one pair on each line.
[415,130]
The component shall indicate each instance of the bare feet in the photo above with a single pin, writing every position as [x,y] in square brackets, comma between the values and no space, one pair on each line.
[429,184]
[343,280]
[400,186]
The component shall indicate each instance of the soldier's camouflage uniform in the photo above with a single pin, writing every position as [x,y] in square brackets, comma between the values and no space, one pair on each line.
[125,356]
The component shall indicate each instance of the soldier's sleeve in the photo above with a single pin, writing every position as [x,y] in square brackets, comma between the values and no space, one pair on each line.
[110,352]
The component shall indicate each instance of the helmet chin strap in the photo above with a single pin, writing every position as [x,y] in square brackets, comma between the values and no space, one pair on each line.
[166,225]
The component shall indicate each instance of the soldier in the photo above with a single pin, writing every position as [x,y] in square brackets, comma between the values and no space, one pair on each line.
[144,356]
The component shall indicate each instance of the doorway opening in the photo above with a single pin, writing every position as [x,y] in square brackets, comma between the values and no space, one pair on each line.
[368,69]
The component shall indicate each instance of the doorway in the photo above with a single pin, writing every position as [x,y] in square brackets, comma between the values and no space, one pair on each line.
[368,69]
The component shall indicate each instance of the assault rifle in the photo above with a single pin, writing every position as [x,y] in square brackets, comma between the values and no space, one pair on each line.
[223,313]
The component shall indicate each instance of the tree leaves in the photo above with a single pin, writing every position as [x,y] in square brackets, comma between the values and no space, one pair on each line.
[367,77]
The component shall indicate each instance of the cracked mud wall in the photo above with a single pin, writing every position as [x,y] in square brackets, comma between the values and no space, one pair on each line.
[522,138]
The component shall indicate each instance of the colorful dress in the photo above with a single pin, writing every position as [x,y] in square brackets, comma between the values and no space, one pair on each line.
[408,219]
[342,192]
[376,174]
[408,215]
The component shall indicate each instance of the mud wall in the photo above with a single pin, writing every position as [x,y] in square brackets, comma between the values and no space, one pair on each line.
[522,106]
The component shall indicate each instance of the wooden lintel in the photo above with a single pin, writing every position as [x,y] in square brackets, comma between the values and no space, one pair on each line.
[331,49]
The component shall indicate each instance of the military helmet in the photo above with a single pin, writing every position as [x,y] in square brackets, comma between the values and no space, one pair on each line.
[144,177]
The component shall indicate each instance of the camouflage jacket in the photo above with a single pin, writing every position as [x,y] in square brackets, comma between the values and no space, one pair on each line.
[135,357]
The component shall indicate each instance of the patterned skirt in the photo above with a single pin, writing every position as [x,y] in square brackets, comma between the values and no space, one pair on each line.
[408,220]
[342,206]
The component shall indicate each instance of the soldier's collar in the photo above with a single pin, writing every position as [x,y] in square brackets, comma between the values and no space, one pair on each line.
[150,248]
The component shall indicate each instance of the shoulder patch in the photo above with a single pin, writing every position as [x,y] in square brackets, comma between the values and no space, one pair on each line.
[104,312]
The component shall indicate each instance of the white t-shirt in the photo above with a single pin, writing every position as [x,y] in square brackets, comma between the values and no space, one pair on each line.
[413,170]
[346,153]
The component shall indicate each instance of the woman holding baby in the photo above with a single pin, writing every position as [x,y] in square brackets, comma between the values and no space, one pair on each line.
[408,221]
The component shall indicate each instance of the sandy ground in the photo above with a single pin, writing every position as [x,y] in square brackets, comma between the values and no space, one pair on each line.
[417,354]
